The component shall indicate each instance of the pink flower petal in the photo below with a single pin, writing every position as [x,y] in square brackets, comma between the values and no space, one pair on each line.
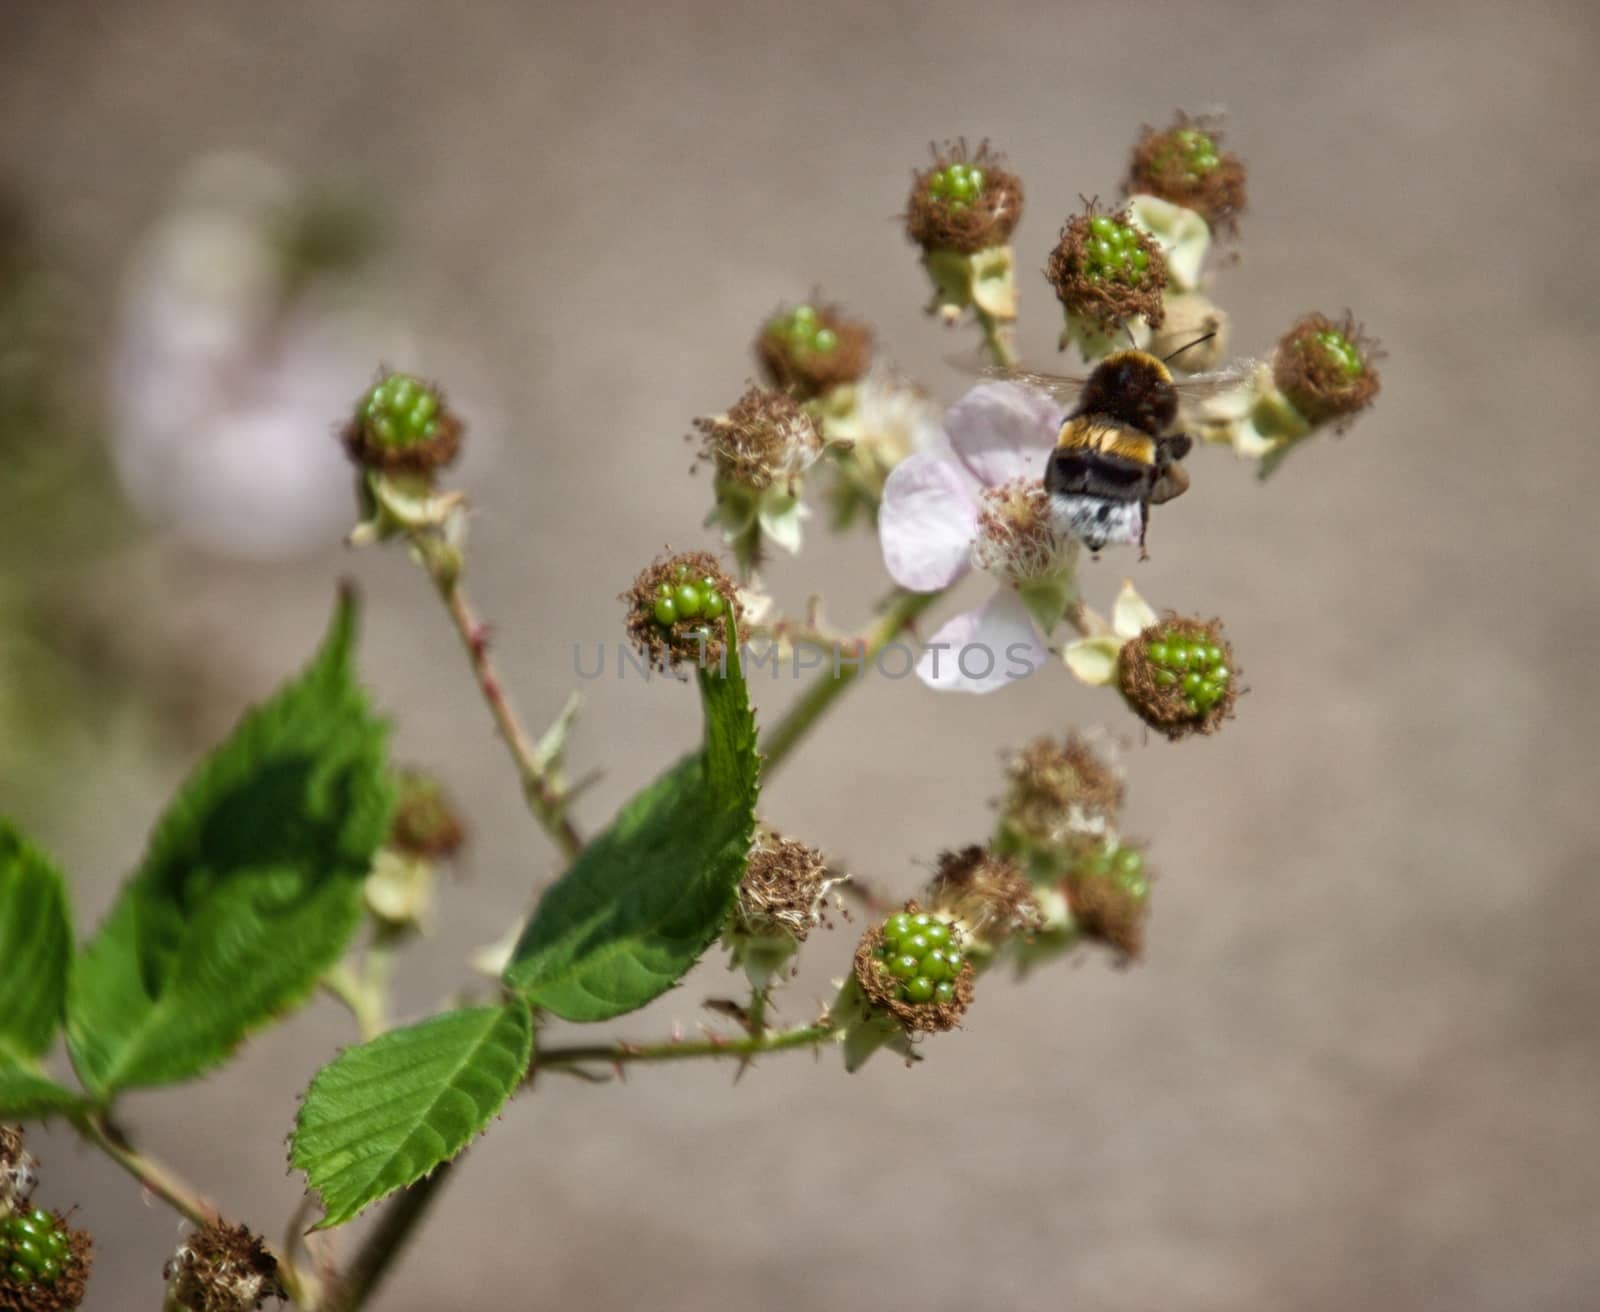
[983,649]
[1003,431]
[927,521]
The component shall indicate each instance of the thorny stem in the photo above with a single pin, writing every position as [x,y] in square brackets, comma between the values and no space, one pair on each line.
[167,1185]
[902,610]
[374,1258]
[621,1053]
[545,799]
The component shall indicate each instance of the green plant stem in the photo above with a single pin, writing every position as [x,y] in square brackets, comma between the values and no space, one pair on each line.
[167,1185]
[999,339]
[622,1053]
[401,1216]
[545,800]
[901,611]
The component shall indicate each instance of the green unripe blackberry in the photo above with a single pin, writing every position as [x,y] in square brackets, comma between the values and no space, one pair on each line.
[1106,270]
[1108,891]
[810,350]
[957,184]
[964,202]
[34,1248]
[1186,165]
[677,609]
[402,424]
[919,951]
[1196,667]
[1326,368]
[1178,675]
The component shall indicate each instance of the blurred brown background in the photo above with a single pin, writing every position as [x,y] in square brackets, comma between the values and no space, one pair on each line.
[1359,1067]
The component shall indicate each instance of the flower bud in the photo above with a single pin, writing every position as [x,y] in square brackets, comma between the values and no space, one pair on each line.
[1058,795]
[1179,677]
[1108,891]
[222,1268]
[1185,164]
[782,898]
[1325,368]
[810,350]
[44,1262]
[985,896]
[962,211]
[19,1170]
[402,426]
[676,611]
[1107,273]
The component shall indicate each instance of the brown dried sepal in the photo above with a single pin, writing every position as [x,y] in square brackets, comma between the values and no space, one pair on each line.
[663,646]
[18,1169]
[1106,302]
[1314,383]
[783,887]
[223,1268]
[1108,913]
[882,988]
[1157,168]
[365,450]
[1050,780]
[807,374]
[986,221]
[62,1293]
[1162,706]
[986,892]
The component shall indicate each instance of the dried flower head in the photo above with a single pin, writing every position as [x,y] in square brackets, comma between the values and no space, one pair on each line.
[676,610]
[44,1262]
[1179,676]
[19,1170]
[964,202]
[1326,368]
[1107,271]
[425,824]
[222,1268]
[784,891]
[914,968]
[1017,541]
[403,426]
[809,350]
[1108,890]
[1057,793]
[985,894]
[765,440]
[1185,164]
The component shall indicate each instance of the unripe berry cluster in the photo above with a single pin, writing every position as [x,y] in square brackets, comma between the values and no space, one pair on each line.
[1179,677]
[803,329]
[1115,252]
[923,953]
[1108,890]
[1197,151]
[402,424]
[957,184]
[1197,667]
[34,1248]
[1342,351]
[685,597]
[1118,862]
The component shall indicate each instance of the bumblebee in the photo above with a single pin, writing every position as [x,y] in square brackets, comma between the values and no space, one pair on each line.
[1115,456]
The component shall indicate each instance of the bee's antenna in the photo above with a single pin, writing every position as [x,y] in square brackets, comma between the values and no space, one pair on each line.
[1132,340]
[1167,359]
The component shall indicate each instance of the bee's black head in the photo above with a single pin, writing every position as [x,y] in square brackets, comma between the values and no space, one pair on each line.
[1133,388]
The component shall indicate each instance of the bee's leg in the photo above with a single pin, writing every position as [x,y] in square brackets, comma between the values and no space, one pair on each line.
[1144,527]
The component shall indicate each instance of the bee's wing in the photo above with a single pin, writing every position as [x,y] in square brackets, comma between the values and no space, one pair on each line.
[1197,387]
[1064,387]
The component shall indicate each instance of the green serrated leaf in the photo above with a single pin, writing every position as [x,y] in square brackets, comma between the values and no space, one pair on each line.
[383,1115]
[35,948]
[250,889]
[26,1095]
[648,896]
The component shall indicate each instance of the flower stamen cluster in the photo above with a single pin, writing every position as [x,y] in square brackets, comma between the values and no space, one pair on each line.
[1017,541]
[765,440]
[222,1268]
